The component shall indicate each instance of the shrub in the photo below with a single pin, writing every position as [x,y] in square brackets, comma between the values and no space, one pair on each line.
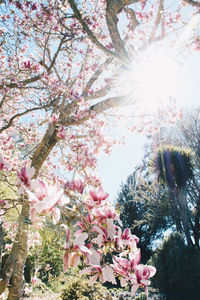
[178,268]
[77,288]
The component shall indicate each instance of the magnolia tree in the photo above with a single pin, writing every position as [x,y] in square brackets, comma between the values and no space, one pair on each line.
[65,68]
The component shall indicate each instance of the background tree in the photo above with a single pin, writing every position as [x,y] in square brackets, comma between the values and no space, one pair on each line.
[174,168]
[143,208]
[175,262]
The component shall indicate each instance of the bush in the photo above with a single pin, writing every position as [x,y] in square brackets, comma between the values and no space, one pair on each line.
[178,269]
[48,253]
[77,288]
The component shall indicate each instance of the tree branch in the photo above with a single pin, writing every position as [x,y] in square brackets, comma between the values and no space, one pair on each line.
[157,21]
[10,122]
[98,108]
[192,3]
[92,37]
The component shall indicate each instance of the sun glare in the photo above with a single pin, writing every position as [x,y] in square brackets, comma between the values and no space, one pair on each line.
[156,78]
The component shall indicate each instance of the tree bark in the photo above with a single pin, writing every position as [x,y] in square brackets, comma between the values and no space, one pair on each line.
[14,266]
[175,211]
[184,214]
[1,246]
[19,250]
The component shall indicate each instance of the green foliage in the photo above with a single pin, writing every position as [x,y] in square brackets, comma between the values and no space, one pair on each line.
[173,165]
[48,253]
[77,288]
[178,267]
[142,296]
[143,208]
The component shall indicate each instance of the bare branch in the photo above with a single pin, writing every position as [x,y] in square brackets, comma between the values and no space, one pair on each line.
[98,108]
[157,21]
[193,3]
[22,82]
[10,122]
[92,37]
[96,75]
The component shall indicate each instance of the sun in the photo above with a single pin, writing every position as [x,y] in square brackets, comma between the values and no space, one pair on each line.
[156,78]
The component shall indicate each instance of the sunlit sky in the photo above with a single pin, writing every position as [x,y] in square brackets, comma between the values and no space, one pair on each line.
[115,168]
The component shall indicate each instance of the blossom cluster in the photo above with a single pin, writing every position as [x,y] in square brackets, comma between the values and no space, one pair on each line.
[98,239]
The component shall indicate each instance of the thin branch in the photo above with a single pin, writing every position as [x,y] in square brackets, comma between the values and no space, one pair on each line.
[192,3]
[157,21]
[22,114]
[22,82]
[92,37]
[98,108]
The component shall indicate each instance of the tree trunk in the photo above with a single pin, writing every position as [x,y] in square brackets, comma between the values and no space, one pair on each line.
[14,266]
[18,251]
[184,214]
[174,211]
[1,246]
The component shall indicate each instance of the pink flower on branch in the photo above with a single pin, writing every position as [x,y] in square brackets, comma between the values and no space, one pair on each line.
[44,197]
[3,164]
[97,196]
[25,174]
[74,251]
[127,238]
[104,274]
[76,185]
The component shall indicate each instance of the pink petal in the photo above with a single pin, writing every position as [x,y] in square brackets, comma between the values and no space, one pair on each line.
[93,279]
[123,282]
[80,239]
[66,262]
[108,275]
[134,288]
[56,215]
[110,228]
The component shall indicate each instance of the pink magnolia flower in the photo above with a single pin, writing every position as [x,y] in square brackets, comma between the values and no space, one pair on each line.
[93,258]
[61,133]
[72,253]
[3,164]
[25,174]
[83,224]
[44,201]
[96,197]
[103,213]
[75,185]
[54,118]
[122,265]
[104,274]
[129,239]
[135,257]
[142,274]
[106,234]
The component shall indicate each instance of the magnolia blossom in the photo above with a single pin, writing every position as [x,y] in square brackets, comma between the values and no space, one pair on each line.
[25,174]
[76,185]
[54,118]
[104,274]
[97,196]
[73,252]
[143,273]
[141,276]
[126,238]
[61,132]
[43,199]
[3,164]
